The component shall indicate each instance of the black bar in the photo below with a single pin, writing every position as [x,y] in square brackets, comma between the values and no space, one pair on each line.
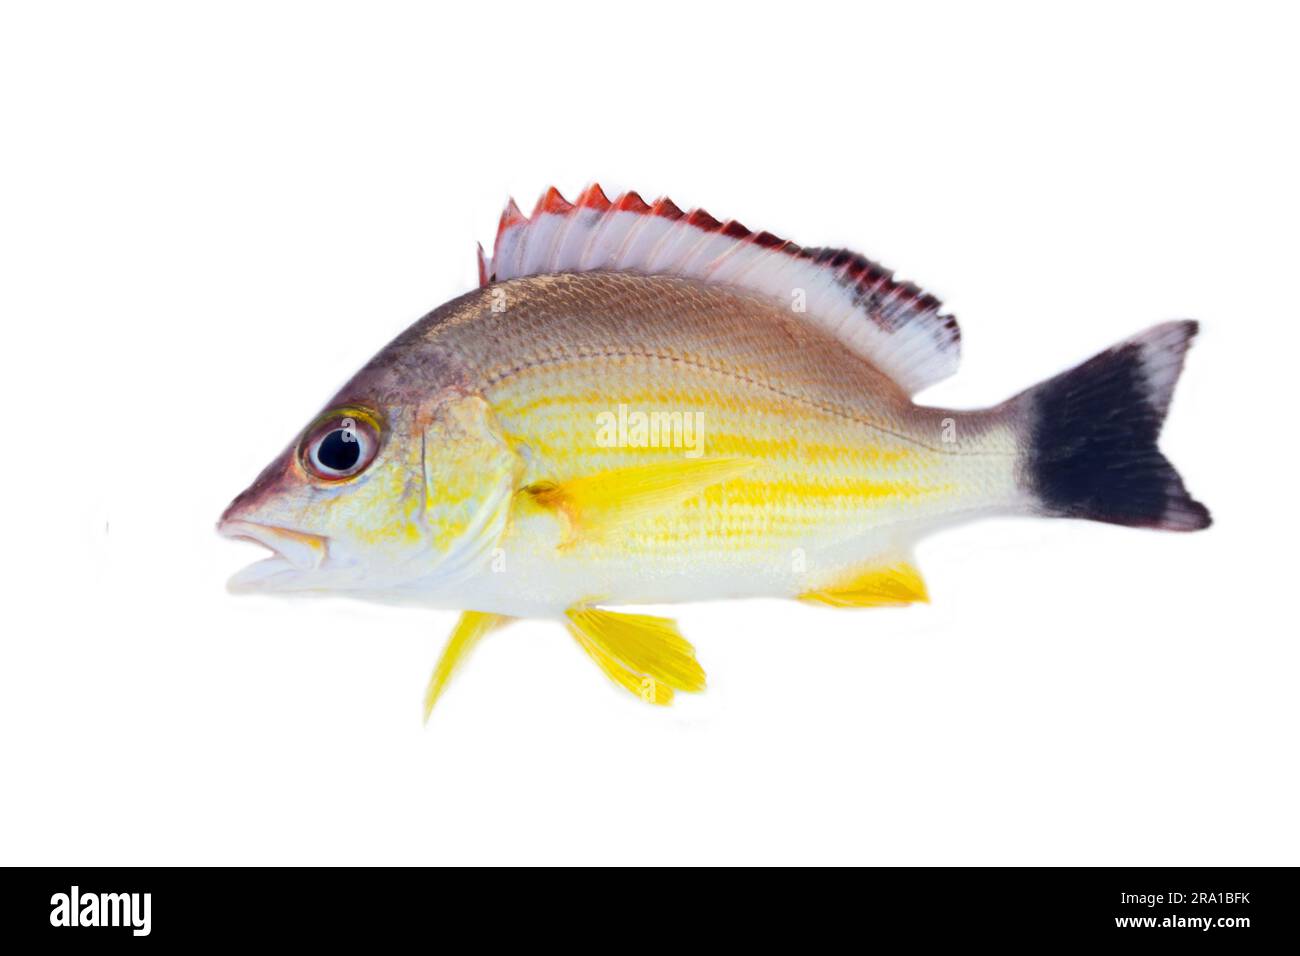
[1223,907]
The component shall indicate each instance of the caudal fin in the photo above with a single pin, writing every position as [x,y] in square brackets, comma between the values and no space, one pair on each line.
[1092,435]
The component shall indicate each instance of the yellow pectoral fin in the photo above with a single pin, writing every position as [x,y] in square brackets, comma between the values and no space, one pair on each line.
[886,586]
[645,654]
[609,499]
[471,626]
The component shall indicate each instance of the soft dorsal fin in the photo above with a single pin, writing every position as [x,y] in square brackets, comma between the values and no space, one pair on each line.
[894,325]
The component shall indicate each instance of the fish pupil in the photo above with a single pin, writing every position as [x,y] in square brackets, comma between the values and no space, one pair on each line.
[339,450]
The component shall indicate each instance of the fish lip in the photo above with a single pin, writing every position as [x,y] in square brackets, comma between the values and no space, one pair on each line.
[269,574]
[291,550]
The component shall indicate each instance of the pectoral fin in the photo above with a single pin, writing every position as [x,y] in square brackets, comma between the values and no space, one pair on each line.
[471,626]
[881,586]
[645,654]
[609,499]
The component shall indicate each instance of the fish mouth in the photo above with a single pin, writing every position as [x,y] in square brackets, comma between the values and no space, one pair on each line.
[293,553]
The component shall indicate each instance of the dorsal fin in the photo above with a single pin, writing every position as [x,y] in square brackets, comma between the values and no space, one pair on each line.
[894,325]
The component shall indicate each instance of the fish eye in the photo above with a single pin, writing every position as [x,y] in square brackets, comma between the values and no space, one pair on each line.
[340,447]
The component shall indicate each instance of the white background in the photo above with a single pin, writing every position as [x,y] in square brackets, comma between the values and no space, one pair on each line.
[212,216]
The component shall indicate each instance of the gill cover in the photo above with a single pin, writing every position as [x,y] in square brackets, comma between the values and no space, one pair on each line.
[470,475]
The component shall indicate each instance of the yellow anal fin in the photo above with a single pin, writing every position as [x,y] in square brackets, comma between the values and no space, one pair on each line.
[609,499]
[885,586]
[471,626]
[645,654]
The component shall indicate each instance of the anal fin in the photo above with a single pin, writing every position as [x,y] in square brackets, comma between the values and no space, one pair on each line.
[471,626]
[888,585]
[642,653]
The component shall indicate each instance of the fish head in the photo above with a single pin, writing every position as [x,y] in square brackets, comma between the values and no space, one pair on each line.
[397,488]
[340,508]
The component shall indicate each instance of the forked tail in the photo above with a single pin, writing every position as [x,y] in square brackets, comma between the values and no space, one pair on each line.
[1092,433]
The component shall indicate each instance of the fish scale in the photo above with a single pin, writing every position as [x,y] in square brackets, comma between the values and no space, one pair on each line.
[842,454]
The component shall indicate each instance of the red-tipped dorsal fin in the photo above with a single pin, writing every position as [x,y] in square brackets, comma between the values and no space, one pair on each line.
[666,208]
[593,197]
[552,202]
[508,232]
[631,202]
[769,241]
[702,220]
[891,323]
[511,216]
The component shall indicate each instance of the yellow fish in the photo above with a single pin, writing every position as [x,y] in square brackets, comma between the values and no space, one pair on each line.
[646,406]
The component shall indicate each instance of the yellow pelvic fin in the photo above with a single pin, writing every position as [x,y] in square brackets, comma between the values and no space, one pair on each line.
[645,654]
[471,626]
[887,586]
[609,499]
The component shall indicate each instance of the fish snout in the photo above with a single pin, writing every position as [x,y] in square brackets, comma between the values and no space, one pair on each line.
[238,510]
[300,550]
[296,556]
[258,500]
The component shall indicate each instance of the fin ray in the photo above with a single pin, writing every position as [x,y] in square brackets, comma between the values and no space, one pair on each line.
[1093,436]
[471,626]
[645,654]
[891,585]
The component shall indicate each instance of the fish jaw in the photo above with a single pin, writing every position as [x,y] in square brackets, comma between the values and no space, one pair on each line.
[296,557]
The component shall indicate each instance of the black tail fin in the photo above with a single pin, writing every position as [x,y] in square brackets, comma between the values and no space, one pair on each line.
[1093,431]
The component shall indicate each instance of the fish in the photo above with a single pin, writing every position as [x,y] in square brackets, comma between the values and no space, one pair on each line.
[644,406]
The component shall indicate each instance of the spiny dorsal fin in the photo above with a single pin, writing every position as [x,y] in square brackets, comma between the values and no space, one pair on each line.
[894,325]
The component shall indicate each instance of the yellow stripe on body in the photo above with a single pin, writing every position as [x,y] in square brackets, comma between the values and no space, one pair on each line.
[818,472]
[823,474]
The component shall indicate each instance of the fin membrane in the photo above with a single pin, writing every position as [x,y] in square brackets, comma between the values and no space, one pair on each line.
[890,586]
[471,626]
[610,499]
[644,654]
